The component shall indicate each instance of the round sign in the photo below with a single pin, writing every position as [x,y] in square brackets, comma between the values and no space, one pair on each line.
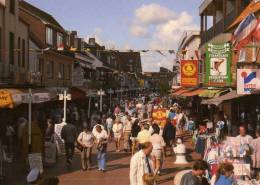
[189,69]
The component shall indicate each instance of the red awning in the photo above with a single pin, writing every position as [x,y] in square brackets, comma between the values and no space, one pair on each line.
[179,92]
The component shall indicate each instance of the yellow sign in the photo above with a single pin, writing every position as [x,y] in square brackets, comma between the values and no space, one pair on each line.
[6,100]
[189,69]
[159,116]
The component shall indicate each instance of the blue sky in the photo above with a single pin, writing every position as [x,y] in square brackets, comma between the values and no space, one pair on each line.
[128,24]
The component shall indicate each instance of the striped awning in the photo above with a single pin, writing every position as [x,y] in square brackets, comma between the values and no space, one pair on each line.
[211,93]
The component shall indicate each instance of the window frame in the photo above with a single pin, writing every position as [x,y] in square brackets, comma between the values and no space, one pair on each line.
[59,39]
[50,69]
[49,35]
[11,47]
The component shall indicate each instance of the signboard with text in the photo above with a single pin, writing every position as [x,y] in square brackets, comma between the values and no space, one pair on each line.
[218,64]
[189,73]
[248,80]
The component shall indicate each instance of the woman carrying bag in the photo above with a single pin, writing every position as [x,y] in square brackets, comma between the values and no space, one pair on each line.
[86,142]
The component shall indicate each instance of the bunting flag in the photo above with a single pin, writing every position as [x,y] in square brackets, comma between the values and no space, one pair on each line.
[158,51]
[171,51]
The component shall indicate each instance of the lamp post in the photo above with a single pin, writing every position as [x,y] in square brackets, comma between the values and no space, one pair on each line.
[65,97]
[101,93]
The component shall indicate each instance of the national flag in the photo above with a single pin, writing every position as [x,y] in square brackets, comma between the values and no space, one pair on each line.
[60,47]
[256,34]
[243,33]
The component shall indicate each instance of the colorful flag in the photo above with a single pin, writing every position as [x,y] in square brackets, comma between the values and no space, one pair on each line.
[243,33]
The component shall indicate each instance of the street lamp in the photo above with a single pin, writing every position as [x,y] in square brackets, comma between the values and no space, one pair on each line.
[101,93]
[65,97]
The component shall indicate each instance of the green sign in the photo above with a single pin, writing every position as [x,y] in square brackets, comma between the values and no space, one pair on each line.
[218,64]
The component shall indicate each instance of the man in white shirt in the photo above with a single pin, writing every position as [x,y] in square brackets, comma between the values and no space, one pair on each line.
[243,138]
[109,125]
[127,133]
[141,165]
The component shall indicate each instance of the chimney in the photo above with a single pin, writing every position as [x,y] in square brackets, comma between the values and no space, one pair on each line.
[92,41]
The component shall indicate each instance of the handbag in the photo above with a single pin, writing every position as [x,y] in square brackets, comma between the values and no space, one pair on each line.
[78,145]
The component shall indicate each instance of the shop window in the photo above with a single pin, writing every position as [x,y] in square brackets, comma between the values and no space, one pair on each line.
[11,47]
[49,36]
[50,70]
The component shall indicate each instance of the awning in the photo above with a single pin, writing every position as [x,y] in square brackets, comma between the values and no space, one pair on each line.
[38,95]
[217,101]
[10,98]
[251,8]
[179,92]
[78,93]
[88,92]
[210,93]
[193,93]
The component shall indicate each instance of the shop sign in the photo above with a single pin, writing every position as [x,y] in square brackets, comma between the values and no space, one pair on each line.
[218,64]
[248,80]
[189,73]
[159,116]
[6,99]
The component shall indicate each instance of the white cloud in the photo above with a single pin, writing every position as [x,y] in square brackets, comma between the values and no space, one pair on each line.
[153,14]
[167,35]
[139,30]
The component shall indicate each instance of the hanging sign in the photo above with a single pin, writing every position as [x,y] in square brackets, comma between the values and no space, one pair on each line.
[218,64]
[5,99]
[189,73]
[248,80]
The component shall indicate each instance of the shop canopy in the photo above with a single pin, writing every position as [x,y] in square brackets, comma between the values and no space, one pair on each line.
[211,93]
[191,93]
[218,100]
[179,92]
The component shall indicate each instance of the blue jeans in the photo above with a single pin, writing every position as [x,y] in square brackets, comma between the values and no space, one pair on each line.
[101,157]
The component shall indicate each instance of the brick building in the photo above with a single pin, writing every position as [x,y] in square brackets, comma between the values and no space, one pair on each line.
[13,45]
[49,61]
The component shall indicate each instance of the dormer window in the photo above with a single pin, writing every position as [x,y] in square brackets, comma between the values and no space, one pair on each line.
[49,36]
[59,39]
